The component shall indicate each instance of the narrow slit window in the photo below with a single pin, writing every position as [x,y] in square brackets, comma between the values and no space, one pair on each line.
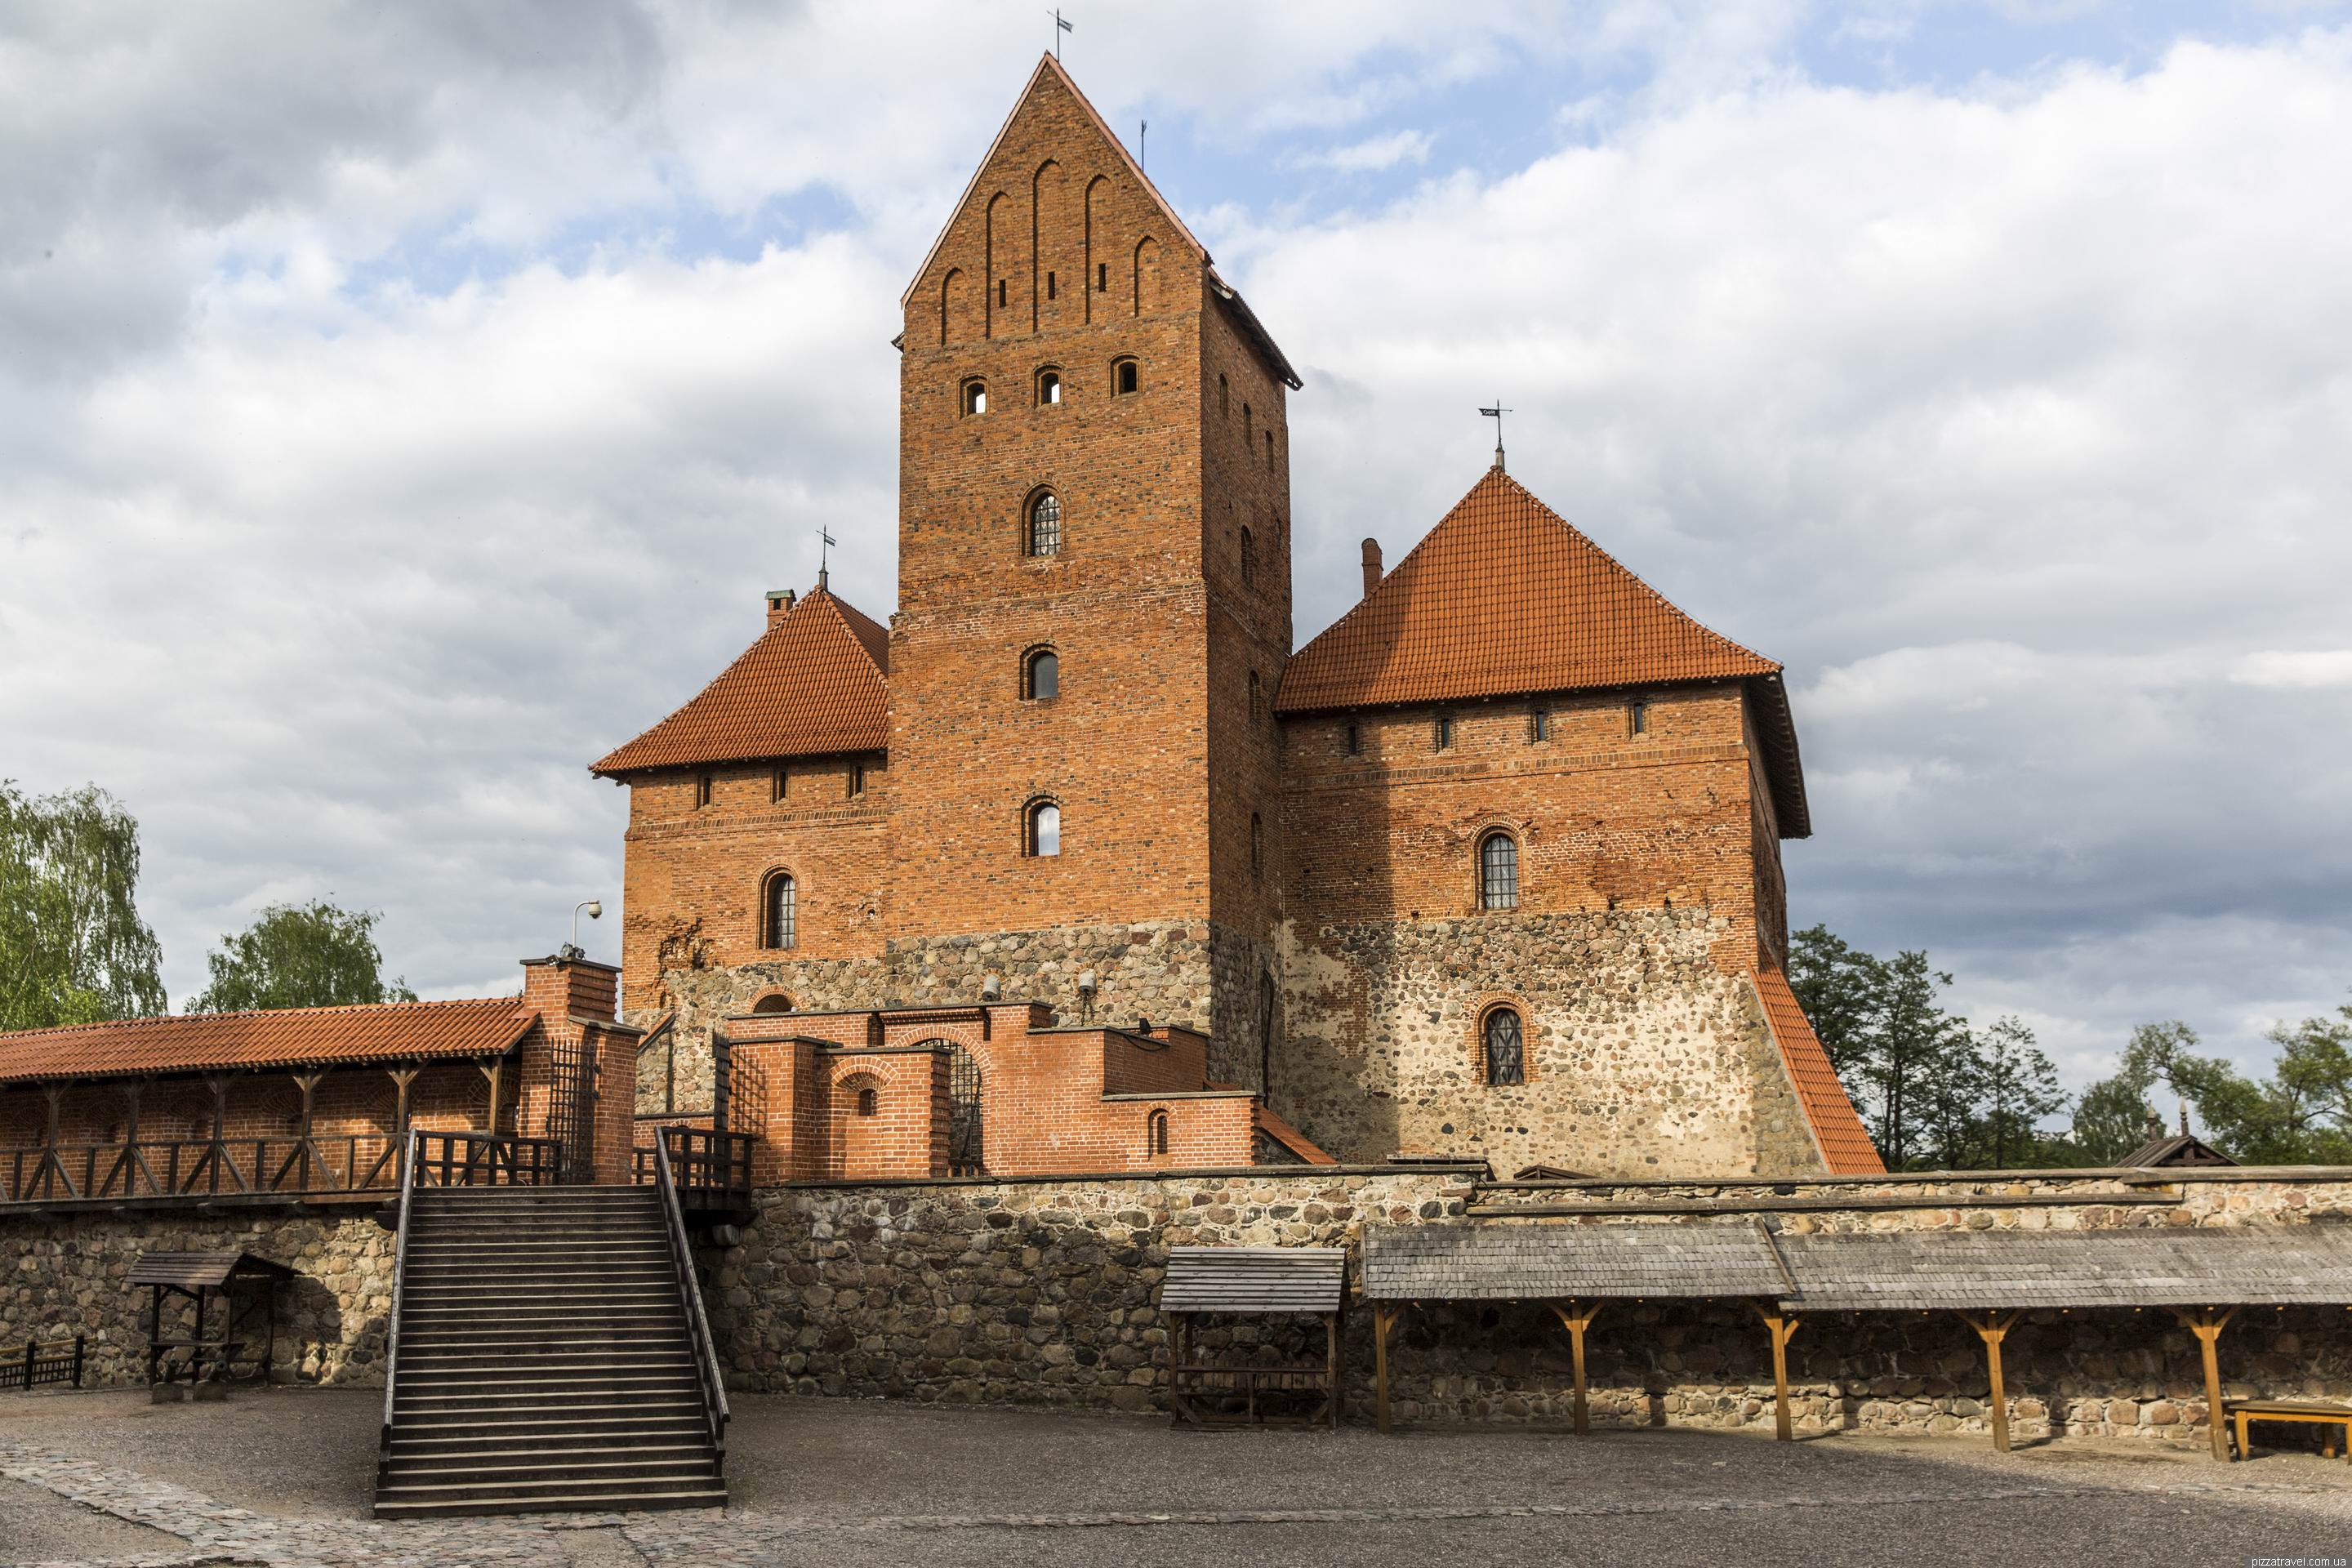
[782,785]
[1049,285]
[1498,873]
[1000,293]
[1355,741]
[1045,525]
[856,780]
[1225,398]
[1269,448]
[1637,717]
[701,791]
[1155,1132]
[1253,694]
[1503,1048]
[1249,559]
[1258,844]
[1538,725]
[1102,276]
[1246,436]
[1443,732]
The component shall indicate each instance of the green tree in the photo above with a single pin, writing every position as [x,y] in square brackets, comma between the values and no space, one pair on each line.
[2111,1120]
[1840,988]
[2020,1087]
[309,955]
[72,947]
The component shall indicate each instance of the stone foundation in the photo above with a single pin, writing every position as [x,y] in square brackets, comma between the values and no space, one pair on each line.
[1046,1292]
[64,1277]
[1644,1055]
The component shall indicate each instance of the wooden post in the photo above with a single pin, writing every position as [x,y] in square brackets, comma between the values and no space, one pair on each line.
[2206,1325]
[1782,1329]
[1384,1317]
[1334,1330]
[1577,1317]
[1993,1329]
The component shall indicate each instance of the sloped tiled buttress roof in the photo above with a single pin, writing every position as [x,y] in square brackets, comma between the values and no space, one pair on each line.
[813,684]
[1837,1128]
[1505,597]
[292,1037]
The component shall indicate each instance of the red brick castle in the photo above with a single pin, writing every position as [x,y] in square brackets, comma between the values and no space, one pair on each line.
[1077,866]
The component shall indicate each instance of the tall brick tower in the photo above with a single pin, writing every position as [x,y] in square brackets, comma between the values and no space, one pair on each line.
[1094,467]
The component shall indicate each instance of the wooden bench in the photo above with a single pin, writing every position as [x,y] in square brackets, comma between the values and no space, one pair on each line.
[2242,1411]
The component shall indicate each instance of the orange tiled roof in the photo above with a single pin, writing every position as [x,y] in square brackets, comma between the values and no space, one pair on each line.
[1290,1136]
[813,684]
[1836,1127]
[1504,598]
[292,1036]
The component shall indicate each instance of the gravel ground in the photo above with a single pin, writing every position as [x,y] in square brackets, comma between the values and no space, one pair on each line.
[834,1481]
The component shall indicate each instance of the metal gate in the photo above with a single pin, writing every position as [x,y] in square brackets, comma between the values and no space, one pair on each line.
[966,1151]
[571,1108]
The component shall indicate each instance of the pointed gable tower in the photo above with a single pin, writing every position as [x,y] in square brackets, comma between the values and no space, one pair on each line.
[1093,460]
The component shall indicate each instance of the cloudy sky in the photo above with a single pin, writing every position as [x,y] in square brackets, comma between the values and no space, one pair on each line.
[400,406]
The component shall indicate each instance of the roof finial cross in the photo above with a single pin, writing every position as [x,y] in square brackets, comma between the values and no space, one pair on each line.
[1495,413]
[1061,26]
[826,541]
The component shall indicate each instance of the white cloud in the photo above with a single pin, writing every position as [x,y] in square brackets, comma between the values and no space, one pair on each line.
[2304,670]
[1372,153]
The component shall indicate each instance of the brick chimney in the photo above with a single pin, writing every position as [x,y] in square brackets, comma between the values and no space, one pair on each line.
[1371,567]
[571,988]
[780,604]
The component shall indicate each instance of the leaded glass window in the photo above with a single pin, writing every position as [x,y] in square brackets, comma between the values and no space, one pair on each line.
[1498,873]
[783,911]
[1506,1059]
[1045,525]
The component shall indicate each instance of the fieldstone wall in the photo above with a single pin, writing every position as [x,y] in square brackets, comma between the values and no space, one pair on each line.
[1046,1293]
[1643,1055]
[64,1275]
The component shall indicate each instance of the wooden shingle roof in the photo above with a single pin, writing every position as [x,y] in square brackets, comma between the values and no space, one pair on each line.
[193,1270]
[286,1038]
[813,684]
[1844,1143]
[1505,598]
[1997,1270]
[1553,1262]
[1255,1279]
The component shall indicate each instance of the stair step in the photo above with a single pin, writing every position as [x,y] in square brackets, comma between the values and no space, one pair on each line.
[460,1428]
[595,1464]
[580,1502]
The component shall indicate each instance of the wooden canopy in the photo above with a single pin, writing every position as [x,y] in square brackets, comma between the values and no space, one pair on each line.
[1483,1262]
[202,1270]
[1255,1279]
[2003,1270]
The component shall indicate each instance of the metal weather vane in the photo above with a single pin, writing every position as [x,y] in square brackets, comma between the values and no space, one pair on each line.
[1495,413]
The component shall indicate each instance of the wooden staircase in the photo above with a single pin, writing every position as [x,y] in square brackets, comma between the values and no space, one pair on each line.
[547,1355]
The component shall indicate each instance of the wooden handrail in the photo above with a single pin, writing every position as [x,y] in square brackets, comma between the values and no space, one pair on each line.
[714,1386]
[399,1265]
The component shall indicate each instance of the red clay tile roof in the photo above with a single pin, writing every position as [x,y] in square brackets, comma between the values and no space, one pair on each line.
[1836,1128]
[293,1037]
[1290,1136]
[813,684]
[1504,598]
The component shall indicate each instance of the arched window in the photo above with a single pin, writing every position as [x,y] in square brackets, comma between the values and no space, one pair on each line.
[1041,831]
[1045,525]
[868,1103]
[1258,844]
[1049,388]
[1126,376]
[1502,1053]
[780,912]
[1041,677]
[774,1002]
[1249,432]
[1498,873]
[975,397]
[1155,1132]
[1249,558]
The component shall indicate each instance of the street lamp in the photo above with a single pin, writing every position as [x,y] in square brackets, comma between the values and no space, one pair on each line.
[596,909]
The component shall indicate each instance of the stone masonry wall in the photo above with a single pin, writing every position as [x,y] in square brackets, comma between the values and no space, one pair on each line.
[64,1275]
[1642,1054]
[1046,1292]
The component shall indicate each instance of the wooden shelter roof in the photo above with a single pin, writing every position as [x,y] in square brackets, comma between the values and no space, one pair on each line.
[1491,1262]
[195,1271]
[1923,1270]
[283,1037]
[1255,1279]
[2176,1149]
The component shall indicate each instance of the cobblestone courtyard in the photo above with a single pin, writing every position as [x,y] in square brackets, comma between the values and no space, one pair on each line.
[282,1478]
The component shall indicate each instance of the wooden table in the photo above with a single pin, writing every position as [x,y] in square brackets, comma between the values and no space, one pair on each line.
[2243,1411]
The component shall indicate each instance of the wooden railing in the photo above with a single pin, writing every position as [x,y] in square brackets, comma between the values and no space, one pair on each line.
[705,1350]
[712,1170]
[485,1160]
[44,1361]
[207,1167]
